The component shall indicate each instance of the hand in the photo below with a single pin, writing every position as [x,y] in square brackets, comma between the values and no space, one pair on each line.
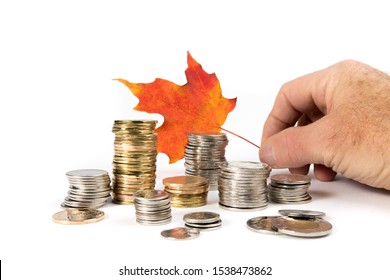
[338,119]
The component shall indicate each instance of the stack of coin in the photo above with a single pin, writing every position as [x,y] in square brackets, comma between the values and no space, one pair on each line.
[187,191]
[203,154]
[89,188]
[202,220]
[299,223]
[242,185]
[152,207]
[289,188]
[134,164]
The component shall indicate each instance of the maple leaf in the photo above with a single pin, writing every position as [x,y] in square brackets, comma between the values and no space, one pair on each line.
[195,106]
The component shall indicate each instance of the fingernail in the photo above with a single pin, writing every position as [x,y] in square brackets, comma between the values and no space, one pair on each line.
[267,154]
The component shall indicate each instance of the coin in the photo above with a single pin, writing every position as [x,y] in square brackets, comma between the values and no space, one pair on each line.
[78,216]
[186,191]
[242,185]
[290,179]
[203,154]
[289,188]
[135,156]
[88,188]
[152,207]
[302,227]
[302,214]
[201,217]
[262,224]
[205,226]
[180,233]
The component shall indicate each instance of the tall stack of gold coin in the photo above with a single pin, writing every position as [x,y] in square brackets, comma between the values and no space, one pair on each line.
[135,155]
[187,191]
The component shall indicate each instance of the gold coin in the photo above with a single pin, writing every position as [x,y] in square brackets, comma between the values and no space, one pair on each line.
[78,216]
[181,192]
[188,180]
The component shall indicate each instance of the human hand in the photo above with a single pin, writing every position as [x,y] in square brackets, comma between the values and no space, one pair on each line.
[338,119]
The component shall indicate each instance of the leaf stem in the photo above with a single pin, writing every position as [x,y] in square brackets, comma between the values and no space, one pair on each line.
[240,137]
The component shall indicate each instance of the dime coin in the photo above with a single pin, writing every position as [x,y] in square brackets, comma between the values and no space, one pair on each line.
[180,233]
[289,188]
[88,188]
[203,154]
[201,217]
[290,179]
[152,207]
[202,226]
[242,185]
[78,216]
[262,224]
[302,227]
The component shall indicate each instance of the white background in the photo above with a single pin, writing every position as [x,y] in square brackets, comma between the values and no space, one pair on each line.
[58,103]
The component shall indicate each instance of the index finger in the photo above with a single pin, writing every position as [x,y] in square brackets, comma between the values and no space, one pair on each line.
[304,95]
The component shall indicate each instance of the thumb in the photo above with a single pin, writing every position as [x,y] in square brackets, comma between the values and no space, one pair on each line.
[294,147]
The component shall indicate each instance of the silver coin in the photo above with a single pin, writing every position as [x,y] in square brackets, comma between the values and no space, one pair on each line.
[204,227]
[302,214]
[87,173]
[154,222]
[150,195]
[301,227]
[201,217]
[241,209]
[180,233]
[290,179]
[262,224]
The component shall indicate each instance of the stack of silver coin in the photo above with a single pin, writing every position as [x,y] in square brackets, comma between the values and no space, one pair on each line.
[134,164]
[242,185]
[202,220]
[152,207]
[289,188]
[89,188]
[204,152]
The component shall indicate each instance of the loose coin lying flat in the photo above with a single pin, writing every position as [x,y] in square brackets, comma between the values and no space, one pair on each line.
[180,233]
[302,228]
[78,216]
[262,224]
[201,217]
[301,214]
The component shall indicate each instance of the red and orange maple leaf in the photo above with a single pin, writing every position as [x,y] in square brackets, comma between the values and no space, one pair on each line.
[195,106]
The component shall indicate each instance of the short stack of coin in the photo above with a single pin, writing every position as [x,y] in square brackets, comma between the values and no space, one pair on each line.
[152,207]
[202,220]
[187,191]
[134,164]
[289,188]
[242,185]
[204,152]
[89,188]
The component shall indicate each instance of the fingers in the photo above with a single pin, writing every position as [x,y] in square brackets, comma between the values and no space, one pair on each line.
[295,147]
[321,172]
[305,95]
[324,173]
